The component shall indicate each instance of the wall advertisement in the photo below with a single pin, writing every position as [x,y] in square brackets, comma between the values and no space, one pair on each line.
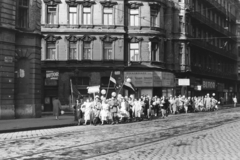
[151,79]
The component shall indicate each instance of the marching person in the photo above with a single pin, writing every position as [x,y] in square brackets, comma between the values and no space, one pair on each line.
[96,110]
[207,102]
[113,103]
[234,101]
[88,111]
[105,114]
[56,107]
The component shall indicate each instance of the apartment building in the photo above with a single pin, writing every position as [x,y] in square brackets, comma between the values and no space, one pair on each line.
[20,58]
[208,39]
[86,41]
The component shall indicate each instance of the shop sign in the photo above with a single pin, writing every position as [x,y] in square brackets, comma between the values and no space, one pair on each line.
[163,79]
[208,84]
[8,59]
[184,82]
[140,79]
[198,88]
[53,75]
[168,79]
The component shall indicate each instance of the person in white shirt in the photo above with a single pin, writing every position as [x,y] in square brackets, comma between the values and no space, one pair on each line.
[235,101]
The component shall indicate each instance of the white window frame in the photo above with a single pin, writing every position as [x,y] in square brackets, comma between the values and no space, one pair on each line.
[83,50]
[108,14]
[89,22]
[70,15]
[70,48]
[108,48]
[51,17]
[52,48]
[133,49]
[134,15]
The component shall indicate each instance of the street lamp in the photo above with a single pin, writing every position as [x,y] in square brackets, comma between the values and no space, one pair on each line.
[129,80]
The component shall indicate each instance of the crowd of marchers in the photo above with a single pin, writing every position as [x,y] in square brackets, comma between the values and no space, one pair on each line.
[119,109]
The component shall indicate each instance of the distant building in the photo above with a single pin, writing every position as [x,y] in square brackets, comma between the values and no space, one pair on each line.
[85,40]
[208,47]
[20,51]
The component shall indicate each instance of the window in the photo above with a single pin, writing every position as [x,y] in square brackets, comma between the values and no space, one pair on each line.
[134,17]
[107,51]
[72,50]
[86,50]
[107,16]
[72,15]
[134,52]
[23,14]
[52,14]
[86,15]
[51,51]
[154,14]
[80,81]
[154,49]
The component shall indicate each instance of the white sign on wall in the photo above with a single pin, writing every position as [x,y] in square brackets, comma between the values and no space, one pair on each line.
[52,75]
[184,82]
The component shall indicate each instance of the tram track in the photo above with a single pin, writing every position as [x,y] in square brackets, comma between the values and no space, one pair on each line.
[157,137]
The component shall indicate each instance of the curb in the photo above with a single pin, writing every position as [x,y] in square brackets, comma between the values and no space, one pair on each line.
[37,128]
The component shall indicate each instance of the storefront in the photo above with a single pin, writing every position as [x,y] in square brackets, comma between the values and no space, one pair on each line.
[50,89]
[152,83]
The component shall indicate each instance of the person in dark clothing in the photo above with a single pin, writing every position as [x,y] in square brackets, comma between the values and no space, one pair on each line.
[146,107]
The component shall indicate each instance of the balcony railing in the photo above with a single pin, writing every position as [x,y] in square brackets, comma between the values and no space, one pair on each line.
[198,16]
[212,48]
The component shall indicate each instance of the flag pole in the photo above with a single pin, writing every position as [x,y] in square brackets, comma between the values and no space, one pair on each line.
[71,92]
[108,84]
[120,89]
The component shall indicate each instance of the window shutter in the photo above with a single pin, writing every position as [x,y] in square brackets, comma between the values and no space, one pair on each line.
[57,51]
[80,50]
[44,50]
[67,50]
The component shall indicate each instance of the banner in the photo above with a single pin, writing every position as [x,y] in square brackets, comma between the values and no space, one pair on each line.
[93,89]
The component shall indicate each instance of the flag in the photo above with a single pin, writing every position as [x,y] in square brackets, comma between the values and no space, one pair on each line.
[129,85]
[74,90]
[225,44]
[113,80]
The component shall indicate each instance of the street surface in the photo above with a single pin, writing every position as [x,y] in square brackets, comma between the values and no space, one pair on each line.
[193,136]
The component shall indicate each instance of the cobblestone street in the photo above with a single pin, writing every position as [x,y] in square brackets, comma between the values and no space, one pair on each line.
[212,135]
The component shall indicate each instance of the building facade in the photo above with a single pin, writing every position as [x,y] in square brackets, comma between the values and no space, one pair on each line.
[85,41]
[20,51]
[208,41]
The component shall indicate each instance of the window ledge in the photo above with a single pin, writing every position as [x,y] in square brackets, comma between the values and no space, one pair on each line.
[108,61]
[86,60]
[135,27]
[156,28]
[135,62]
[109,26]
[73,26]
[51,25]
[72,61]
[87,26]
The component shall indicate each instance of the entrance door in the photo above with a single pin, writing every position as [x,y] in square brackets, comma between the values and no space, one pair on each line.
[48,104]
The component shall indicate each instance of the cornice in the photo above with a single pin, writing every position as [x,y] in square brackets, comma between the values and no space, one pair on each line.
[87,38]
[108,38]
[108,3]
[72,38]
[52,38]
[52,2]
[134,5]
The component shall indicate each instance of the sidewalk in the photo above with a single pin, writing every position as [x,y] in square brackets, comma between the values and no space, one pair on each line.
[15,125]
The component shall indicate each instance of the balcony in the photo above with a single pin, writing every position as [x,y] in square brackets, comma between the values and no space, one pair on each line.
[213,72]
[212,48]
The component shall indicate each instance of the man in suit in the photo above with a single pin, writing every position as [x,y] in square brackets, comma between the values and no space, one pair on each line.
[56,107]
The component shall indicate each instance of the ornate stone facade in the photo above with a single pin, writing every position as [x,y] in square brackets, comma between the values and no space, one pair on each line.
[20,55]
